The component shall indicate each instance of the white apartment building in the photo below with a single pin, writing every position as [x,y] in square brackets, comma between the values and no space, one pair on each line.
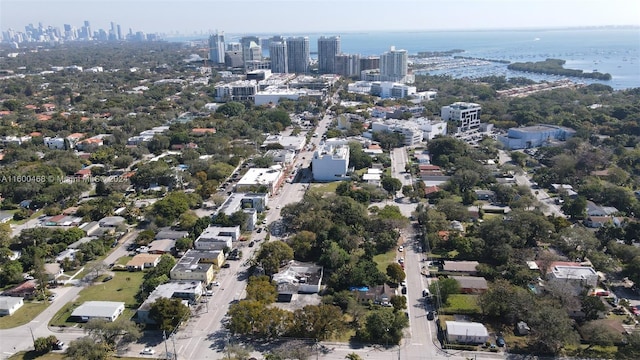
[466,115]
[236,91]
[330,163]
[414,131]
[393,65]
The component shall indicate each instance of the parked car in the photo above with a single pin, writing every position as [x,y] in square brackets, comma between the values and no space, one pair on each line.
[226,265]
[251,244]
[500,341]
[259,230]
[431,315]
[108,278]
[401,248]
[425,293]
[404,290]
[147,351]
[59,345]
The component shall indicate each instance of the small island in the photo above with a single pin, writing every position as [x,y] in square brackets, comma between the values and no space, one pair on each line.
[555,67]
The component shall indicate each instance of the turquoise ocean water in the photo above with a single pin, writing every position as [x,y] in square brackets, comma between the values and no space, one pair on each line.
[607,50]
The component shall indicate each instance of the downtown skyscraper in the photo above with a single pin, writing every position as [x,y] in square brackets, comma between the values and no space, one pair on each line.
[278,55]
[298,54]
[216,48]
[328,48]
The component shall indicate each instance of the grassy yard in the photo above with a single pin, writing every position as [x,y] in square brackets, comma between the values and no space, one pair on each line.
[23,315]
[462,304]
[326,188]
[123,287]
[382,260]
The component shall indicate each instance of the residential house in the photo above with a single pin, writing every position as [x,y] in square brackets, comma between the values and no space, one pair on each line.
[459,267]
[379,294]
[601,221]
[112,221]
[472,284]
[27,290]
[594,209]
[107,310]
[10,304]
[466,332]
[164,246]
[143,261]
[166,233]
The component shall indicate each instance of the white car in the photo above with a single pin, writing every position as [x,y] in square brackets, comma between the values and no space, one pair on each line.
[147,351]
[215,283]
[401,248]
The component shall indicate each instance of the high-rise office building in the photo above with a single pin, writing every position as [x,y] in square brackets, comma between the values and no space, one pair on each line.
[278,55]
[247,43]
[393,64]
[328,48]
[216,48]
[119,29]
[348,65]
[234,46]
[298,54]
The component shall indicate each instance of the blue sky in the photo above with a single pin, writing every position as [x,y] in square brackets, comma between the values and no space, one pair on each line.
[308,16]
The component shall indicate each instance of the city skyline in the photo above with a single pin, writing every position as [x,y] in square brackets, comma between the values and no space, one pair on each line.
[202,17]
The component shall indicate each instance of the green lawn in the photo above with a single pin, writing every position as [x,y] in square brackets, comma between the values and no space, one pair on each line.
[382,260]
[123,287]
[462,304]
[326,188]
[23,315]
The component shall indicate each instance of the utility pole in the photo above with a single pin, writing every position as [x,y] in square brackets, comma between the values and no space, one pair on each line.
[33,338]
[166,349]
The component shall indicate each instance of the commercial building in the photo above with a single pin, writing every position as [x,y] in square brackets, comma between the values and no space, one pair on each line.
[256,178]
[189,291]
[414,130]
[298,54]
[197,265]
[216,48]
[107,310]
[535,136]
[466,332]
[388,89]
[217,237]
[330,163]
[293,143]
[233,59]
[466,115]
[250,49]
[273,95]
[328,48]
[393,65]
[278,56]
[298,277]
